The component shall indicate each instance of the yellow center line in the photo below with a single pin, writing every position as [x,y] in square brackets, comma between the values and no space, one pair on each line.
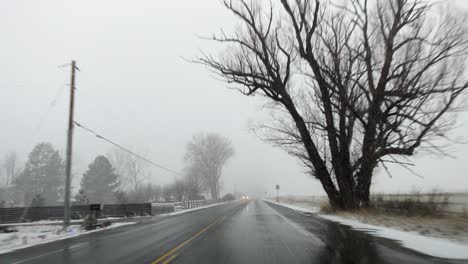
[187,241]
[170,259]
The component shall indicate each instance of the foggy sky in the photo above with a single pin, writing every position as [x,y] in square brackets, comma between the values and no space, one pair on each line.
[134,87]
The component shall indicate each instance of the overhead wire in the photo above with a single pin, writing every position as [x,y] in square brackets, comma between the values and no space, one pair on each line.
[50,106]
[45,114]
[125,149]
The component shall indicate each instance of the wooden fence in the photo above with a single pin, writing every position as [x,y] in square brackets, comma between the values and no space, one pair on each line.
[30,214]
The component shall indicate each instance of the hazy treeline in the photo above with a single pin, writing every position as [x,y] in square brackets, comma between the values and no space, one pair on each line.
[117,177]
[39,181]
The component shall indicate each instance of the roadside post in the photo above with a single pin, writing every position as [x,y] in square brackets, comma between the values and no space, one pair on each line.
[95,209]
[277,193]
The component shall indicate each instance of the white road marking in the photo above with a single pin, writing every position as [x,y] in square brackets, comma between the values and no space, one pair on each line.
[78,245]
[40,256]
[296,226]
[49,253]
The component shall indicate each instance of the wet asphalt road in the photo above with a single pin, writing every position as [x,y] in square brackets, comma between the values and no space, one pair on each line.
[240,232]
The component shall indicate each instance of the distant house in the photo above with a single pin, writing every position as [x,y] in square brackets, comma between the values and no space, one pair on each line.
[12,195]
[7,195]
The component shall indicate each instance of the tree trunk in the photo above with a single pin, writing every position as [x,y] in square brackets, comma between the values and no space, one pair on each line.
[214,194]
[363,189]
[322,174]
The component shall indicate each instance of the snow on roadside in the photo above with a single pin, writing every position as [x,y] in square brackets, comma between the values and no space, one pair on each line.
[428,245]
[311,210]
[28,236]
[41,222]
[436,247]
[193,209]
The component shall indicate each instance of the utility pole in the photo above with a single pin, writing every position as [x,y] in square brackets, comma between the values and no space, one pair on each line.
[66,205]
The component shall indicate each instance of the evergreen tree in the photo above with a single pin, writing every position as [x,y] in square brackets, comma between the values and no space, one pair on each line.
[43,175]
[81,198]
[99,182]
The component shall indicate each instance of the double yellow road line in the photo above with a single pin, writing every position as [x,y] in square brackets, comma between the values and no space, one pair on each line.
[169,256]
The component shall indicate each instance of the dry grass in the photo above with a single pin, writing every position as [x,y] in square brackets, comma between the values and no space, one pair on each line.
[326,208]
[433,204]
[452,227]
[425,214]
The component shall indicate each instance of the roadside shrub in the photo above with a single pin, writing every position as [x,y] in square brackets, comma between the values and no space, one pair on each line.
[326,208]
[229,197]
[37,201]
[433,203]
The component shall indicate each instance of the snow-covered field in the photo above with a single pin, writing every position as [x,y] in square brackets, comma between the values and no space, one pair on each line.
[432,246]
[33,235]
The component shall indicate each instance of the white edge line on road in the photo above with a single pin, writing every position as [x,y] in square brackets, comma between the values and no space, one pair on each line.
[49,253]
[78,245]
[298,228]
[39,256]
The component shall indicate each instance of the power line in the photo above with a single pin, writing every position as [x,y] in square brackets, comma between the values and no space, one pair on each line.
[44,116]
[126,150]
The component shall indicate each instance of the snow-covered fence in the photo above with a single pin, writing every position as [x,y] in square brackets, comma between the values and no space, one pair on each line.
[193,203]
[187,204]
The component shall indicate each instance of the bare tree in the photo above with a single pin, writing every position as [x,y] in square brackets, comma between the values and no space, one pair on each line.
[167,192]
[180,189]
[196,180]
[353,86]
[10,165]
[148,193]
[209,153]
[131,170]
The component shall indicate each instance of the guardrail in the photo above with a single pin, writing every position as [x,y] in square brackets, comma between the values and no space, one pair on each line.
[198,203]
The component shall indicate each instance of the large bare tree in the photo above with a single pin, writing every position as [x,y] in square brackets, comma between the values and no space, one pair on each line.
[353,84]
[195,179]
[208,153]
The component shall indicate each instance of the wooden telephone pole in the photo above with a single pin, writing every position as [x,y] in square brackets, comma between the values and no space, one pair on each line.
[67,209]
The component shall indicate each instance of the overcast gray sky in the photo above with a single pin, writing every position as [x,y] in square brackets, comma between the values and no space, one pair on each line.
[135,88]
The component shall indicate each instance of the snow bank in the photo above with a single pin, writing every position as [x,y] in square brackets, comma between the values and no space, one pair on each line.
[193,209]
[28,236]
[311,210]
[436,247]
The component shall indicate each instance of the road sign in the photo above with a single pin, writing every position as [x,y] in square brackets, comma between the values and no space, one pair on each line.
[277,192]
